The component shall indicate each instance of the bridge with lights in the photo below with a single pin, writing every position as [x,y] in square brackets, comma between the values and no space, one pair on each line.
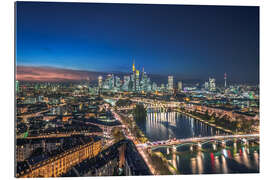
[200,141]
[151,104]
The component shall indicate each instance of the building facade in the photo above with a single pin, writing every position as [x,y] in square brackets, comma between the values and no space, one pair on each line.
[57,165]
[180,86]
[170,83]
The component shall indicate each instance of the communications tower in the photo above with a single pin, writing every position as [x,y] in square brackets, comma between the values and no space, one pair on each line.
[225,80]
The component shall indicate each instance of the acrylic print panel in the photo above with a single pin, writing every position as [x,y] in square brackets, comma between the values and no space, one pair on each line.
[136,89]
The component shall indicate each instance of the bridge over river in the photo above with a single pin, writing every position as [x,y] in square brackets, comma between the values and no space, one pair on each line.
[224,160]
[199,141]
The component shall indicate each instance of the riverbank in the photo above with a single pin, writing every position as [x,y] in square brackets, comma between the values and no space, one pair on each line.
[205,122]
[161,164]
[133,128]
[129,122]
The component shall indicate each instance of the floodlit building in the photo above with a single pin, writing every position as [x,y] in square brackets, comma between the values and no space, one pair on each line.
[137,84]
[180,87]
[117,82]
[100,82]
[170,83]
[17,86]
[206,85]
[60,162]
[109,82]
[212,84]
[133,77]
[125,86]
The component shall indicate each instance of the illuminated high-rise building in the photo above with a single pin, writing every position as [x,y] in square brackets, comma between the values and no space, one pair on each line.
[112,81]
[133,82]
[133,76]
[148,86]
[133,67]
[162,87]
[137,84]
[206,85]
[154,86]
[125,86]
[144,81]
[117,82]
[106,84]
[17,86]
[99,82]
[212,84]
[170,83]
[180,86]
[109,82]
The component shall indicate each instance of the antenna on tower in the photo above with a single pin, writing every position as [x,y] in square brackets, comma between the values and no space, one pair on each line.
[225,80]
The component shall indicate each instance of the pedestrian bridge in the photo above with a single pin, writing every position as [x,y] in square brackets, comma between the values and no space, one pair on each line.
[199,141]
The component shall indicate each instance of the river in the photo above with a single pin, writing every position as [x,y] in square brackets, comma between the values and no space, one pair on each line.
[234,158]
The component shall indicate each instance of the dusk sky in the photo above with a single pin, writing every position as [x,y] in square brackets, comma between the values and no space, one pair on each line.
[185,41]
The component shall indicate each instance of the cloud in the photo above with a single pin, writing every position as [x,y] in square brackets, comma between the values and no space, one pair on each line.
[29,73]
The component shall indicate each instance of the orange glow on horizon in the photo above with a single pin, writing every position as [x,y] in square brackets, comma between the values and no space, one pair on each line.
[49,74]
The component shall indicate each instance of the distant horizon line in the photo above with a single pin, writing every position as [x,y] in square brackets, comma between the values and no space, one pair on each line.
[46,73]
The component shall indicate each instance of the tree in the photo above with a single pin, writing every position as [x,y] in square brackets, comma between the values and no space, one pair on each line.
[238,125]
[123,102]
[212,120]
[117,134]
[206,115]
[139,113]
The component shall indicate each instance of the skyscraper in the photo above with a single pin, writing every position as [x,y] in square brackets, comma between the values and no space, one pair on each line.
[125,86]
[154,86]
[133,76]
[144,81]
[133,67]
[212,84]
[109,82]
[99,82]
[17,86]
[180,86]
[162,87]
[137,84]
[117,82]
[206,85]
[112,81]
[170,83]
[148,86]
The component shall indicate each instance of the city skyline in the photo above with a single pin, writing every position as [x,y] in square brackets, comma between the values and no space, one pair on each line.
[54,74]
[135,89]
[84,39]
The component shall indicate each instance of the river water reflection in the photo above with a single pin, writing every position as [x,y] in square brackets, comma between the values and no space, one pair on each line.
[165,125]
[234,158]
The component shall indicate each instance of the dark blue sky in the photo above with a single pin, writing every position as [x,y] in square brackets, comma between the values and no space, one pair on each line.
[186,41]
